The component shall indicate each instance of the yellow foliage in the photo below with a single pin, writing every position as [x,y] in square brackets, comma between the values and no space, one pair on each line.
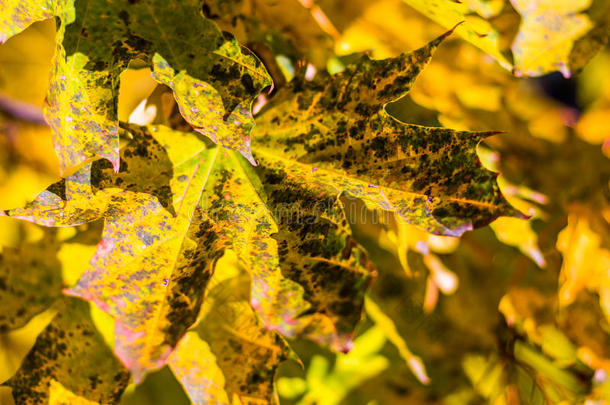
[586,258]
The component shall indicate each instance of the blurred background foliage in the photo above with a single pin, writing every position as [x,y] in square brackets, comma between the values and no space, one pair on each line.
[516,312]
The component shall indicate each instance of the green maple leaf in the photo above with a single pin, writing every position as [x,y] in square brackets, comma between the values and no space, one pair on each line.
[177,205]
[97,40]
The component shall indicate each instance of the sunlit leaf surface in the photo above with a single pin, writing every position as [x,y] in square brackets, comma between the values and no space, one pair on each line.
[449,13]
[85,78]
[337,130]
[230,354]
[227,231]
[547,33]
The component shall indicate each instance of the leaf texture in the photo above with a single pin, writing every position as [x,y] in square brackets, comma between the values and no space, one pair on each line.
[264,23]
[156,254]
[85,78]
[17,15]
[334,132]
[547,34]
[141,272]
[69,361]
[229,354]
[176,206]
[30,281]
[448,13]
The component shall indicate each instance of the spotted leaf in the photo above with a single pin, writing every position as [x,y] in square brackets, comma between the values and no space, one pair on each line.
[229,354]
[334,133]
[141,273]
[171,211]
[17,15]
[96,40]
[30,281]
[69,362]
[547,34]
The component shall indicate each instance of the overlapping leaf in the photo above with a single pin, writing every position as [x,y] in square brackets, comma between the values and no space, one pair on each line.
[264,22]
[17,15]
[84,81]
[448,13]
[69,362]
[156,254]
[175,206]
[230,354]
[532,378]
[595,39]
[30,281]
[338,132]
[141,273]
[547,34]
[553,35]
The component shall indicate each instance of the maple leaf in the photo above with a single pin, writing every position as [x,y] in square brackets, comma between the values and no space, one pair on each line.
[140,272]
[30,281]
[151,268]
[229,353]
[210,253]
[478,32]
[85,77]
[69,361]
[339,134]
[546,36]
[175,206]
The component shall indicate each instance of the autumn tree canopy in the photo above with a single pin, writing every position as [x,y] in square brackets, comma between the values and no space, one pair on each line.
[304,202]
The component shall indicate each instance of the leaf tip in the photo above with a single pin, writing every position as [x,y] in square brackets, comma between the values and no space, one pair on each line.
[248,155]
[116,164]
[518,214]
[74,291]
[487,134]
[459,230]
[446,34]
[455,26]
